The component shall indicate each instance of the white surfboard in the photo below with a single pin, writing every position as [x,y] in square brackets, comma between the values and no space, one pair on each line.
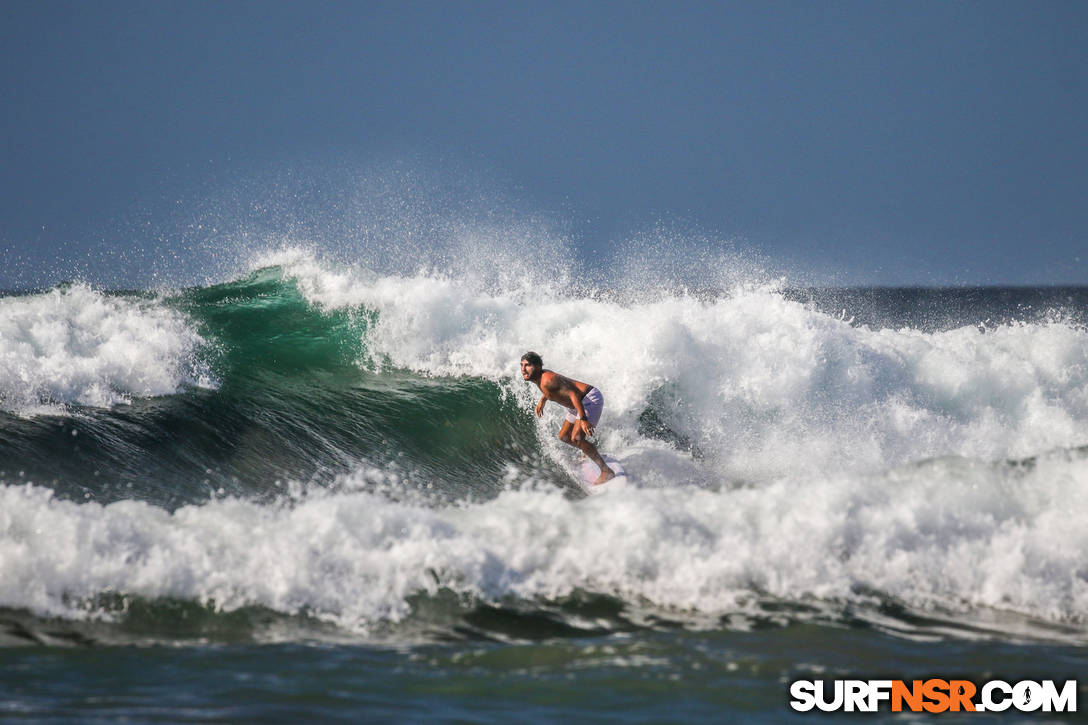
[588,471]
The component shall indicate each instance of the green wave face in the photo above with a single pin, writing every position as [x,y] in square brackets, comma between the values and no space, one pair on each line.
[264,326]
[299,399]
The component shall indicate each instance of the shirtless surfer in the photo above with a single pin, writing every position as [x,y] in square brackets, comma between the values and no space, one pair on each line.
[585,403]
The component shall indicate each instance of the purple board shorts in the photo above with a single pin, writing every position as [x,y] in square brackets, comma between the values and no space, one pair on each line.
[593,402]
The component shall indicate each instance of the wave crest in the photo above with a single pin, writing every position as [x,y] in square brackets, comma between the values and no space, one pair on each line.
[75,345]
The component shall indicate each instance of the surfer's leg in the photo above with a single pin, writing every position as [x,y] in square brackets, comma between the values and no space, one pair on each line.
[591,452]
[593,403]
[565,432]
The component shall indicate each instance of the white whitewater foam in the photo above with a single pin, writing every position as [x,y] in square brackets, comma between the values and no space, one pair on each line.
[760,385]
[950,534]
[78,345]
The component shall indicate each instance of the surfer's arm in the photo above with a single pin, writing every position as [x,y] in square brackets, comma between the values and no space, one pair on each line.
[582,423]
[540,405]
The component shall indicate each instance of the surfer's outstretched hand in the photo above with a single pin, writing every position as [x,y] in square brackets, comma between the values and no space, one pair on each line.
[585,427]
[540,407]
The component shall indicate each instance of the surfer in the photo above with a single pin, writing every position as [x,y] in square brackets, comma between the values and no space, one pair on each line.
[584,401]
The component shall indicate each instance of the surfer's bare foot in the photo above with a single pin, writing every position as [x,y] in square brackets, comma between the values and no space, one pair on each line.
[606,475]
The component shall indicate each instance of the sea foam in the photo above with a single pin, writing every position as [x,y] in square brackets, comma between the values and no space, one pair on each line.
[76,345]
[950,535]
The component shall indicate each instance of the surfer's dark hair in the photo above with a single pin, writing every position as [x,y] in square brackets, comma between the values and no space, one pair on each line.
[533,359]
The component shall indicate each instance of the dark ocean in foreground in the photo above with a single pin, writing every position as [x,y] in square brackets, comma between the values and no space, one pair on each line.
[317,492]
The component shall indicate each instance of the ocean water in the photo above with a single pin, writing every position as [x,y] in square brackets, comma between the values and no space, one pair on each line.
[318,491]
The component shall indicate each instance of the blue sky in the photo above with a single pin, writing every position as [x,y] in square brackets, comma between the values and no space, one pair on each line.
[846,142]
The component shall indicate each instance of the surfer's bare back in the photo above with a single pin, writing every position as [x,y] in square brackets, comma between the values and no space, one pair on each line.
[584,401]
